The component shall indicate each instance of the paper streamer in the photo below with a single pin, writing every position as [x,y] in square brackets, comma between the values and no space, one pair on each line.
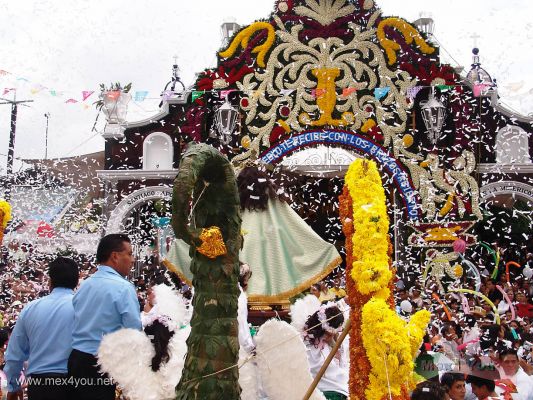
[508,300]
[496,315]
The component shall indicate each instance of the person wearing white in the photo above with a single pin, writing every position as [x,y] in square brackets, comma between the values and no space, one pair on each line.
[509,368]
[321,332]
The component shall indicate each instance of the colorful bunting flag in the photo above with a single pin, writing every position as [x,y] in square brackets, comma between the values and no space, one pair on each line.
[53,92]
[381,92]
[7,90]
[479,88]
[224,93]
[348,91]
[444,87]
[140,95]
[85,94]
[36,88]
[167,94]
[196,94]
[320,92]
[413,91]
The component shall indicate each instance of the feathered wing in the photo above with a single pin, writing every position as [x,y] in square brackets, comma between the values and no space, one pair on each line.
[169,374]
[248,379]
[126,356]
[302,309]
[282,362]
[170,303]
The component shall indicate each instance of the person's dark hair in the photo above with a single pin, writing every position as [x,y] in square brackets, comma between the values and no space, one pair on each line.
[479,382]
[4,335]
[255,189]
[313,326]
[64,273]
[160,337]
[110,243]
[506,352]
[449,378]
[428,390]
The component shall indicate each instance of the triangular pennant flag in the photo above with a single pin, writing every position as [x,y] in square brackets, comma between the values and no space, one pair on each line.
[413,91]
[224,93]
[196,94]
[36,88]
[85,94]
[140,95]
[71,101]
[320,92]
[167,94]
[444,87]
[286,92]
[479,88]
[381,92]
[7,90]
[348,91]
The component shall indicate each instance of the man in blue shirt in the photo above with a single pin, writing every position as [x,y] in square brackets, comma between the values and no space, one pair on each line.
[105,303]
[42,336]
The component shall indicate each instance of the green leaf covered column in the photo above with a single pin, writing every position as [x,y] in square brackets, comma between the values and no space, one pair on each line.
[206,185]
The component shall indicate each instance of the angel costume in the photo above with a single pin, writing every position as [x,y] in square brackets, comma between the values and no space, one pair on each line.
[285,254]
[281,363]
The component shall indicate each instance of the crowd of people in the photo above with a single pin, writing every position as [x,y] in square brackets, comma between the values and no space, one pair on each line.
[476,346]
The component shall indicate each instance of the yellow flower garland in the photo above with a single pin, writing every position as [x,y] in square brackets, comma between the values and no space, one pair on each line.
[390,343]
[243,38]
[371,261]
[5,213]
[408,32]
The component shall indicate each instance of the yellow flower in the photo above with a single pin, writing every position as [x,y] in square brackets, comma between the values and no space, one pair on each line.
[5,213]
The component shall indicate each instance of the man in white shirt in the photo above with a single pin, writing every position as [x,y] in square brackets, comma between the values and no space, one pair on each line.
[509,368]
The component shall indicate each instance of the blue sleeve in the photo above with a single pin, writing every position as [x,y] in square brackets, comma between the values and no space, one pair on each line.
[18,351]
[130,309]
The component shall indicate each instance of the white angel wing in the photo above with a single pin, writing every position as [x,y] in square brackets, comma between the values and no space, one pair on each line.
[302,309]
[126,356]
[282,362]
[169,374]
[170,303]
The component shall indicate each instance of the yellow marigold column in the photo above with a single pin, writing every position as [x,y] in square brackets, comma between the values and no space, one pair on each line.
[388,343]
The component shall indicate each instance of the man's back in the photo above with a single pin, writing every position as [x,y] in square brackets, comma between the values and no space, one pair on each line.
[105,302]
[43,333]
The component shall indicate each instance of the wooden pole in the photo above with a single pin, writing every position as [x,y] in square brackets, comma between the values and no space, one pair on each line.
[318,376]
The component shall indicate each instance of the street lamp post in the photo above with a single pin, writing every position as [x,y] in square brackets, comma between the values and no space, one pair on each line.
[47,116]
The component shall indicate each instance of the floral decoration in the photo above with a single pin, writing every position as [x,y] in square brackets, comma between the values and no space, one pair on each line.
[380,364]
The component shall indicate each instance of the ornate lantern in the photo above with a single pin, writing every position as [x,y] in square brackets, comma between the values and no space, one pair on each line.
[433,114]
[225,119]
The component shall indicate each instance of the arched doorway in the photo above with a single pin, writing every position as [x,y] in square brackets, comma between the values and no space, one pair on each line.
[145,216]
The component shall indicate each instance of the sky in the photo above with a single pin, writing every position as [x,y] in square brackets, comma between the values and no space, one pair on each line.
[53,51]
